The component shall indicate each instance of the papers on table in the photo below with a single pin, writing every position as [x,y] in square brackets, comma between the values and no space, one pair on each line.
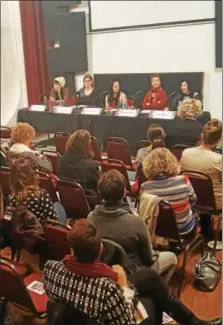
[36,287]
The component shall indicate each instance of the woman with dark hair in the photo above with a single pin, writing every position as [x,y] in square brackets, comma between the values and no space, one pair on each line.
[59,93]
[104,294]
[156,97]
[77,163]
[115,97]
[87,95]
[185,92]
[156,135]
[26,191]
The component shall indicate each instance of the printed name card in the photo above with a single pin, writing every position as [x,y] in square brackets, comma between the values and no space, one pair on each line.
[63,109]
[127,112]
[165,115]
[37,108]
[91,111]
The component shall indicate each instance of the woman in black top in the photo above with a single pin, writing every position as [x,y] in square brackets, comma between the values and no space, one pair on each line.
[77,164]
[185,92]
[87,96]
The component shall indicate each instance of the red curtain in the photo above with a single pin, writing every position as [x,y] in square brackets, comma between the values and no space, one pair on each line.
[34,46]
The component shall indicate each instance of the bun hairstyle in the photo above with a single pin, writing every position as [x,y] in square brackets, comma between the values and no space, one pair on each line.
[212,132]
[156,135]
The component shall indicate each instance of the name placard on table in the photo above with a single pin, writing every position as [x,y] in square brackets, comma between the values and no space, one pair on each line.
[91,111]
[127,112]
[37,108]
[165,115]
[63,109]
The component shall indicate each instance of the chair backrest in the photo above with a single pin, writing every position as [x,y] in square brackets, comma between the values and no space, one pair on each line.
[13,288]
[46,183]
[95,149]
[55,234]
[60,140]
[54,157]
[166,224]
[114,254]
[140,175]
[203,187]
[117,148]
[73,199]
[4,177]
[178,149]
[5,132]
[59,313]
[118,165]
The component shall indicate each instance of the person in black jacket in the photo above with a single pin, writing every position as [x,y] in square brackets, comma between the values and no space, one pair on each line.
[77,164]
[185,92]
[87,95]
[186,129]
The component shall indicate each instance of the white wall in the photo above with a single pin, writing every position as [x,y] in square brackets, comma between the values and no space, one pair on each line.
[188,48]
[13,83]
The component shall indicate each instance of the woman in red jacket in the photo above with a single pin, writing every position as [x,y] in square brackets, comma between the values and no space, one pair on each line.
[156,98]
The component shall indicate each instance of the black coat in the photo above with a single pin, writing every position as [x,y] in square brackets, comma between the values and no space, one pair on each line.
[183,132]
[81,169]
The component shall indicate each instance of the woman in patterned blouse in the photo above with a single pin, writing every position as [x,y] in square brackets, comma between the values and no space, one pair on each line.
[26,192]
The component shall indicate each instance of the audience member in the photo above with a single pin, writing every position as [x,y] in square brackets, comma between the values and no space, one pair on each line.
[87,95]
[101,292]
[115,97]
[114,216]
[156,97]
[187,130]
[156,135]
[59,92]
[77,164]
[185,93]
[21,136]
[162,171]
[26,191]
[205,160]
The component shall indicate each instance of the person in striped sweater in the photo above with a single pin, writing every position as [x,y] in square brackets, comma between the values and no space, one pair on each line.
[162,171]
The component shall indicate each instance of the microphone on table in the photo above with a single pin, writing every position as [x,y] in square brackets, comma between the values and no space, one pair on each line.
[170,97]
[136,94]
[102,93]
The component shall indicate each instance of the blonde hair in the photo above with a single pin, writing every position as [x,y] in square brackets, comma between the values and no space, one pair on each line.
[190,108]
[22,132]
[160,161]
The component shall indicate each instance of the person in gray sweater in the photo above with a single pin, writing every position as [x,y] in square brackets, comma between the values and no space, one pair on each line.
[115,221]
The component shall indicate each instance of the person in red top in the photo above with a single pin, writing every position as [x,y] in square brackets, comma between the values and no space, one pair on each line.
[156,97]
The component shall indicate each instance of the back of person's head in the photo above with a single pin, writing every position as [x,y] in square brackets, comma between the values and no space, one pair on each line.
[190,108]
[156,135]
[79,142]
[85,241]
[22,133]
[212,132]
[22,178]
[112,186]
[160,162]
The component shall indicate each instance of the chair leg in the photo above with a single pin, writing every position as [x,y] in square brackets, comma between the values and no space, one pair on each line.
[18,255]
[182,273]
[217,235]
[13,253]
[2,310]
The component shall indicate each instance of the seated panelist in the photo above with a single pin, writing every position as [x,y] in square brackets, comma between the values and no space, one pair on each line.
[156,97]
[87,95]
[59,93]
[185,93]
[115,97]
